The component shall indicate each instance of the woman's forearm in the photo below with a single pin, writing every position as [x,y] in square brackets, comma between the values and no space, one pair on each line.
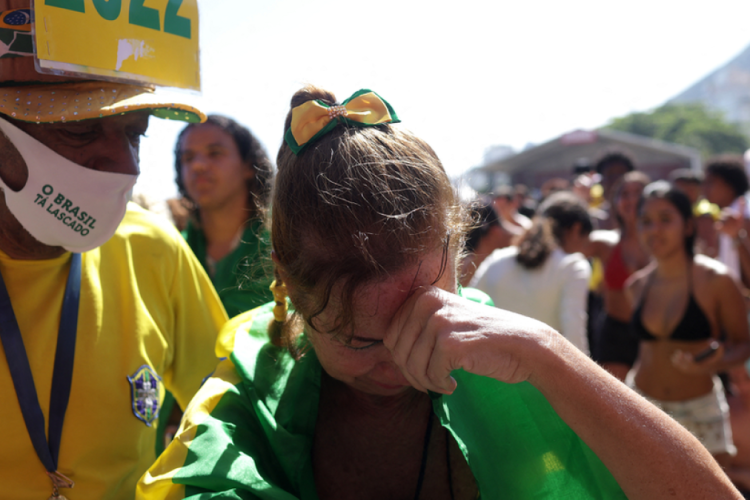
[649,454]
[734,355]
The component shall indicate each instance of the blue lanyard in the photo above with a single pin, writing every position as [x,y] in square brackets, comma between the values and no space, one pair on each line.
[20,371]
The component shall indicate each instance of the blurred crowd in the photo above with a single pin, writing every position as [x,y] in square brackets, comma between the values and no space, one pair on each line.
[649,277]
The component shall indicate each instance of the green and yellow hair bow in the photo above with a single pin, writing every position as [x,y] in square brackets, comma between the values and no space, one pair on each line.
[314,119]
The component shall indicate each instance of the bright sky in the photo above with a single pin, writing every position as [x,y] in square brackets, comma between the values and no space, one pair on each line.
[462,75]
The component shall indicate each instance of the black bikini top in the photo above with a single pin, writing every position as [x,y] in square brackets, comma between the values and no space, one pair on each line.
[694,324]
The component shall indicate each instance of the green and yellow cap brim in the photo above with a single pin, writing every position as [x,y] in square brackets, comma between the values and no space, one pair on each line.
[84,100]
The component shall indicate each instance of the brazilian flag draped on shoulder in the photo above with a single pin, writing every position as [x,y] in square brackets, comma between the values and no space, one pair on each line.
[248,432]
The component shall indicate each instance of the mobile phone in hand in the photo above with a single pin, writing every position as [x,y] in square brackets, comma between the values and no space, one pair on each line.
[706,353]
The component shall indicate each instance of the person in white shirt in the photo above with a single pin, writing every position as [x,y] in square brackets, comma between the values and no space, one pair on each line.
[725,185]
[544,277]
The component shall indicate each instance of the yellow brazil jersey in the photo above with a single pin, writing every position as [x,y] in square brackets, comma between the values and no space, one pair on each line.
[148,320]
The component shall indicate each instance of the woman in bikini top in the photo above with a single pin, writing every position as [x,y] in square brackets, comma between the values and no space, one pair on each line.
[694,325]
[684,304]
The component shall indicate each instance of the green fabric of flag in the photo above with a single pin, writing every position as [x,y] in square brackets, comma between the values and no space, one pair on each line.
[256,441]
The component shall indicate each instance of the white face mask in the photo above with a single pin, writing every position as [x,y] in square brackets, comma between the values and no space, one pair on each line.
[65,204]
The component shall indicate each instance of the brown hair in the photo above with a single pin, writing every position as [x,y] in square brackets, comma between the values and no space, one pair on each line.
[357,205]
[731,169]
[251,153]
[557,214]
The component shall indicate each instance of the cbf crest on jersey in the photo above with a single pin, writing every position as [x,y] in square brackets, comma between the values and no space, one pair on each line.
[144,394]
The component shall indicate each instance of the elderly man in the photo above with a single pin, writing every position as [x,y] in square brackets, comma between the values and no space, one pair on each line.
[102,306]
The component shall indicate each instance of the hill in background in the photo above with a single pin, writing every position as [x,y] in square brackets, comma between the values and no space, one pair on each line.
[726,90]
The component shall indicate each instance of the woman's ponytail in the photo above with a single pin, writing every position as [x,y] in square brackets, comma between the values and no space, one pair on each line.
[536,244]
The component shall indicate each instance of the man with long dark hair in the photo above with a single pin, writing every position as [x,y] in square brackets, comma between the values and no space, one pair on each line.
[224,171]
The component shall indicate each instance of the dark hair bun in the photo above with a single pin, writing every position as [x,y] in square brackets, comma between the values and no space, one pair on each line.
[311,92]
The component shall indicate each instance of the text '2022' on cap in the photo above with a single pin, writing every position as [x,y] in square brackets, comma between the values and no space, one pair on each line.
[30,96]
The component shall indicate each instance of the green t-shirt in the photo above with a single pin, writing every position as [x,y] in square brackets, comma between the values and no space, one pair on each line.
[248,433]
[241,278]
